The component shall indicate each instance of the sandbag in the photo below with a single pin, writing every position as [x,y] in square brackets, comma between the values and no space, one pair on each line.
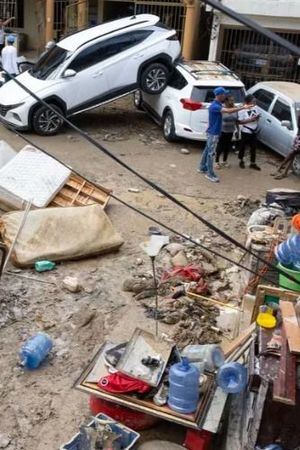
[59,234]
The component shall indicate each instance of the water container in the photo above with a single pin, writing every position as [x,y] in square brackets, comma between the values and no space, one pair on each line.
[35,350]
[211,354]
[183,387]
[43,266]
[232,377]
[288,252]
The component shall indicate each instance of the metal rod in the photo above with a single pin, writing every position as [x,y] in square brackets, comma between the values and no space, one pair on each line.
[156,295]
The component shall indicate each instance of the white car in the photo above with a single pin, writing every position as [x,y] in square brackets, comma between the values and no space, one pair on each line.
[90,68]
[279,105]
[182,108]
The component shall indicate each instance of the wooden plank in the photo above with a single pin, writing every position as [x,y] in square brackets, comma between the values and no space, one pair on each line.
[262,291]
[215,412]
[284,389]
[257,415]
[291,326]
[239,341]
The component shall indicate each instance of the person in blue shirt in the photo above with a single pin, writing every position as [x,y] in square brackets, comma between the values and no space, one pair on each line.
[214,131]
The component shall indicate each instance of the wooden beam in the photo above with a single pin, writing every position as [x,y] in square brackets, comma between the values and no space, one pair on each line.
[49,29]
[82,16]
[284,389]
[290,324]
[239,341]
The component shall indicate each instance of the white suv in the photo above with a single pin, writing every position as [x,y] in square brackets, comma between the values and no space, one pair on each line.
[182,108]
[92,67]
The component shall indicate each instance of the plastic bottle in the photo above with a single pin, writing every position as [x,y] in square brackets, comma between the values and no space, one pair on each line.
[43,266]
[35,350]
[183,387]
[232,377]
[211,354]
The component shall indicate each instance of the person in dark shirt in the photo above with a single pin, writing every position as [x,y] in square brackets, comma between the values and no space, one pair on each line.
[214,131]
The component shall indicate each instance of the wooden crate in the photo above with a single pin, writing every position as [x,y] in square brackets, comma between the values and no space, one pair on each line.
[278,293]
[80,192]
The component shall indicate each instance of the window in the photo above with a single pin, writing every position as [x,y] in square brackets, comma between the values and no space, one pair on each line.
[177,80]
[49,62]
[107,48]
[263,98]
[206,94]
[282,111]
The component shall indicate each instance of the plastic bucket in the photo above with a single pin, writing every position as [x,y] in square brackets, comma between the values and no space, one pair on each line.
[285,282]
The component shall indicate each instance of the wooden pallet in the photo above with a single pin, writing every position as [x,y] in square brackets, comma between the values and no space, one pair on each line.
[279,293]
[80,192]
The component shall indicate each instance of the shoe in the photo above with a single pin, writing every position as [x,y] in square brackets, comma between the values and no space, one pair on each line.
[225,164]
[201,171]
[213,179]
[254,166]
[242,165]
[218,166]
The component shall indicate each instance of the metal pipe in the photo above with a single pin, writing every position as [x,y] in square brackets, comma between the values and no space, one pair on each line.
[253,25]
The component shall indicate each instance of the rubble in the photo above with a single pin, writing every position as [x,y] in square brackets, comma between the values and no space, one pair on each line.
[71,284]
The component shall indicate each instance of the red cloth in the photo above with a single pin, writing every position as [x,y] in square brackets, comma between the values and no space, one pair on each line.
[188,273]
[118,383]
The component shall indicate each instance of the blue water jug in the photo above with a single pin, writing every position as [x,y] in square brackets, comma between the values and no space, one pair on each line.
[35,350]
[183,387]
[288,252]
[232,377]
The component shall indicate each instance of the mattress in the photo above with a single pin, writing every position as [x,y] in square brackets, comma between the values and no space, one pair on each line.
[31,176]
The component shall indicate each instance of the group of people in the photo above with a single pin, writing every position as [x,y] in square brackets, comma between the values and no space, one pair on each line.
[224,121]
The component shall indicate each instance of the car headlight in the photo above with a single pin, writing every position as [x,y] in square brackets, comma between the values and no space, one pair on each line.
[5,108]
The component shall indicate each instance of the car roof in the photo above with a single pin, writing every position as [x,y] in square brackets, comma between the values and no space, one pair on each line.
[76,40]
[287,89]
[210,73]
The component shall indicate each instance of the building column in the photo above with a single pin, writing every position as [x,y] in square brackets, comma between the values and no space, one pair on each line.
[82,15]
[214,38]
[190,28]
[49,29]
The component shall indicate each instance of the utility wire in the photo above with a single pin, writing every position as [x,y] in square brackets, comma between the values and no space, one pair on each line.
[107,152]
[152,219]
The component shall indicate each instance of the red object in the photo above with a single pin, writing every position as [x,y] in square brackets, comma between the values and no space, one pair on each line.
[136,420]
[118,383]
[191,105]
[296,222]
[189,273]
[197,440]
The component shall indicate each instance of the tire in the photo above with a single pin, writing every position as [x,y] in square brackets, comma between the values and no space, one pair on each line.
[138,100]
[45,122]
[169,126]
[154,78]
[296,165]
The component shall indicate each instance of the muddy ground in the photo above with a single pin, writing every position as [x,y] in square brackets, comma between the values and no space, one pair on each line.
[40,410]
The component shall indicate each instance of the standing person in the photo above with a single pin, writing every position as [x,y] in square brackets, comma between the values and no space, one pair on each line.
[214,130]
[249,120]
[229,125]
[3,24]
[9,58]
[48,47]
[283,169]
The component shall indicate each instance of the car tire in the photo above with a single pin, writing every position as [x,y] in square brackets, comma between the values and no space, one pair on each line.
[169,126]
[45,122]
[296,165]
[154,78]
[138,100]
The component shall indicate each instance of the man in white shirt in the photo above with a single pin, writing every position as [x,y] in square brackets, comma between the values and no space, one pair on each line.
[249,118]
[9,58]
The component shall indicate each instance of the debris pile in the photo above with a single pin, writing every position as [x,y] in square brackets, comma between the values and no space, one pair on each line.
[242,206]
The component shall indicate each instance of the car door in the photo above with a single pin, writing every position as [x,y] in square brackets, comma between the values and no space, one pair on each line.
[88,82]
[264,100]
[281,137]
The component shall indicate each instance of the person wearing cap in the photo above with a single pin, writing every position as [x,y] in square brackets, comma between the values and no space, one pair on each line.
[3,24]
[214,130]
[9,58]
[249,120]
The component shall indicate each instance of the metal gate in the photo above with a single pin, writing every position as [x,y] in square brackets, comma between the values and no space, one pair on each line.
[255,58]
[74,21]
[13,8]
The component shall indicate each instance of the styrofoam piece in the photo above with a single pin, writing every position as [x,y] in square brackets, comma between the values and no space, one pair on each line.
[6,153]
[31,176]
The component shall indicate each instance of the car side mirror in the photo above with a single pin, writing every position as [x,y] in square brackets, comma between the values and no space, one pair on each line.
[287,124]
[69,73]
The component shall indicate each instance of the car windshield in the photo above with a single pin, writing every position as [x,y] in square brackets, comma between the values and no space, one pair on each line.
[206,93]
[49,62]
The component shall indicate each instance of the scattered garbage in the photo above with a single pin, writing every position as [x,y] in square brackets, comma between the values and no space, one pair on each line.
[44,266]
[183,387]
[185,151]
[35,350]
[71,284]
[134,190]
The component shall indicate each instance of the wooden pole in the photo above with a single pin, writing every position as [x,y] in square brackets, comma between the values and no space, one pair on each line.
[82,15]
[190,28]
[49,30]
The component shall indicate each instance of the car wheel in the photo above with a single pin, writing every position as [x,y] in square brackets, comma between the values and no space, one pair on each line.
[169,126]
[138,100]
[296,165]
[155,78]
[45,122]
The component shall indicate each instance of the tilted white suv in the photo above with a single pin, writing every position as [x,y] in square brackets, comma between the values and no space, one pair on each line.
[89,68]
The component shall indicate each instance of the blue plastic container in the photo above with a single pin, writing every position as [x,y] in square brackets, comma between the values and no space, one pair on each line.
[184,387]
[35,350]
[232,377]
[288,252]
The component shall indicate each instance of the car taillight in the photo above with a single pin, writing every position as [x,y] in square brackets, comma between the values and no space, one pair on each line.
[191,105]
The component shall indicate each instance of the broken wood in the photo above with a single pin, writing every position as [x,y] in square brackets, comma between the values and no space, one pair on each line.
[284,389]
[215,302]
[239,341]
[290,324]
[257,415]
